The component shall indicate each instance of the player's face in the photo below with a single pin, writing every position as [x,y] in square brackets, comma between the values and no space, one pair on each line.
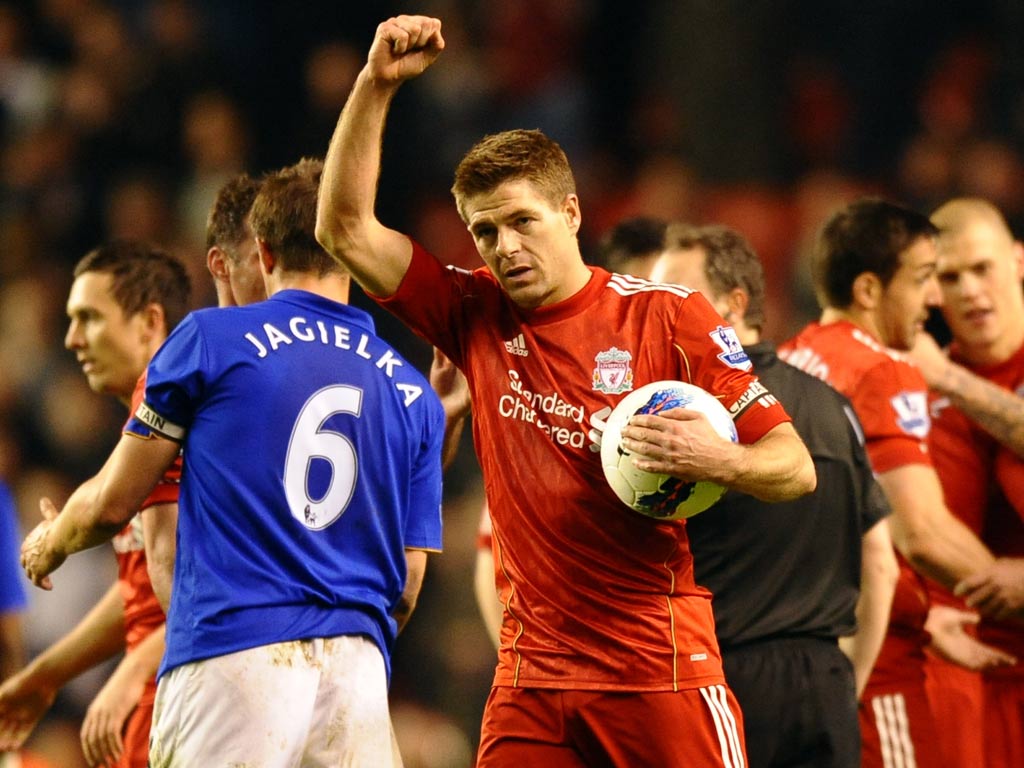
[112,348]
[685,266]
[979,272]
[903,308]
[528,245]
[244,271]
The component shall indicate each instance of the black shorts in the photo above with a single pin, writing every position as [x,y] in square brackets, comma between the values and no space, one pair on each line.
[799,702]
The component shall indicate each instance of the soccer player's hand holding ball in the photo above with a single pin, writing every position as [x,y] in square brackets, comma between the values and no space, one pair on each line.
[653,494]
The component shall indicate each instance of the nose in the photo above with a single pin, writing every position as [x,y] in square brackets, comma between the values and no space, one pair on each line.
[508,242]
[74,339]
[933,293]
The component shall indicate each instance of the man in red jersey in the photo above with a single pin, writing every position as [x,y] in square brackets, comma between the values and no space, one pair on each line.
[976,447]
[608,654]
[125,299]
[875,273]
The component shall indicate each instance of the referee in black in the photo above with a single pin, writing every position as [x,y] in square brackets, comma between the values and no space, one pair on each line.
[801,589]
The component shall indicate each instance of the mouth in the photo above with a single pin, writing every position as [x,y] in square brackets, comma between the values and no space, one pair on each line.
[514,273]
[977,316]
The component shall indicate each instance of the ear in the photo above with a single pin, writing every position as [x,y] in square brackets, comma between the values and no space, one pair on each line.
[736,302]
[867,290]
[1018,260]
[154,322]
[267,259]
[216,262]
[571,209]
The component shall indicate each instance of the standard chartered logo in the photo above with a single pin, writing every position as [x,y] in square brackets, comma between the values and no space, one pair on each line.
[539,409]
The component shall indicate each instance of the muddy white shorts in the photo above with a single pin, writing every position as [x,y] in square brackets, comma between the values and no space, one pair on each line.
[308,703]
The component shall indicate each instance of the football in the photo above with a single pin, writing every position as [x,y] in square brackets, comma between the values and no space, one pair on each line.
[660,496]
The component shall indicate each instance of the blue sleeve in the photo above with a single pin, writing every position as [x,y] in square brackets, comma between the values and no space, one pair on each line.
[175,381]
[12,584]
[423,525]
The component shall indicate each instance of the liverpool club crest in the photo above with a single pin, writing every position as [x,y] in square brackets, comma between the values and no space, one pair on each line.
[613,374]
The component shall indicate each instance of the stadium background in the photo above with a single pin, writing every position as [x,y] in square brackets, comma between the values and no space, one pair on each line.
[122,118]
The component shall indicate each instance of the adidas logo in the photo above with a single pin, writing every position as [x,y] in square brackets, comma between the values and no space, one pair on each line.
[517,346]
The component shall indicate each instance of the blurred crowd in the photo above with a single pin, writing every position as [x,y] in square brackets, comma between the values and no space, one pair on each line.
[121,118]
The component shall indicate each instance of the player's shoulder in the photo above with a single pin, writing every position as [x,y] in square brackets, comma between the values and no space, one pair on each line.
[630,287]
[820,348]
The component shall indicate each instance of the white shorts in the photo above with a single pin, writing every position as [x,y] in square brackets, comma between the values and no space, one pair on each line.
[306,703]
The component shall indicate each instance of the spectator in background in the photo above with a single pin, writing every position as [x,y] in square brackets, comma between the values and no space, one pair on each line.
[795,584]
[632,246]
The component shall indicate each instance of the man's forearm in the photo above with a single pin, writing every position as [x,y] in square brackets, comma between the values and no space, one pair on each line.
[348,186]
[96,638]
[776,468]
[996,410]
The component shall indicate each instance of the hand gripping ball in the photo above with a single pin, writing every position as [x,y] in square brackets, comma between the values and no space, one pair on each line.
[656,495]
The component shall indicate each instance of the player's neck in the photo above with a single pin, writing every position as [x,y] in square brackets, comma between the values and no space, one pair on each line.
[999,351]
[862,320]
[334,287]
[748,336]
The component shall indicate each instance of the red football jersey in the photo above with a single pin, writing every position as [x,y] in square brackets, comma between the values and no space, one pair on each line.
[890,398]
[598,597]
[142,611]
[1000,520]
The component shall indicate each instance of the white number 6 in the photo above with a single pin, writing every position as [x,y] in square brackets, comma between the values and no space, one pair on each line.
[310,441]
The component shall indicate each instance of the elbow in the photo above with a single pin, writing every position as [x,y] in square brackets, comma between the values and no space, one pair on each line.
[403,610]
[882,569]
[918,550]
[801,481]
[807,477]
[337,234]
[327,233]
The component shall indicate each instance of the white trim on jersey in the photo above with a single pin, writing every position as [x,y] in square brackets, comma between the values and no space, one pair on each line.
[624,285]
[725,724]
[893,728]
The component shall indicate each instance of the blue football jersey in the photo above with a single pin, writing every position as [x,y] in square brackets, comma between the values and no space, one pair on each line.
[312,460]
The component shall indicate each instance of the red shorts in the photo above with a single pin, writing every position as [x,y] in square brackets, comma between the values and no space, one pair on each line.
[136,733]
[957,698]
[1004,721]
[897,728]
[701,728]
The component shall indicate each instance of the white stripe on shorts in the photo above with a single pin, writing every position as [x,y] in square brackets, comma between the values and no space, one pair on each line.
[725,724]
[893,731]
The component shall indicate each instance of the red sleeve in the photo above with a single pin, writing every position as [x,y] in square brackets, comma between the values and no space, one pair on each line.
[892,404]
[438,319]
[716,362]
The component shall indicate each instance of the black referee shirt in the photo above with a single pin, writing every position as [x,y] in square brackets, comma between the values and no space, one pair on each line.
[792,568]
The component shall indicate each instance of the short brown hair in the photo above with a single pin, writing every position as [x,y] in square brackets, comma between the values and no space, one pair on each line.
[512,156]
[141,275]
[729,262]
[225,226]
[284,217]
[866,236]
